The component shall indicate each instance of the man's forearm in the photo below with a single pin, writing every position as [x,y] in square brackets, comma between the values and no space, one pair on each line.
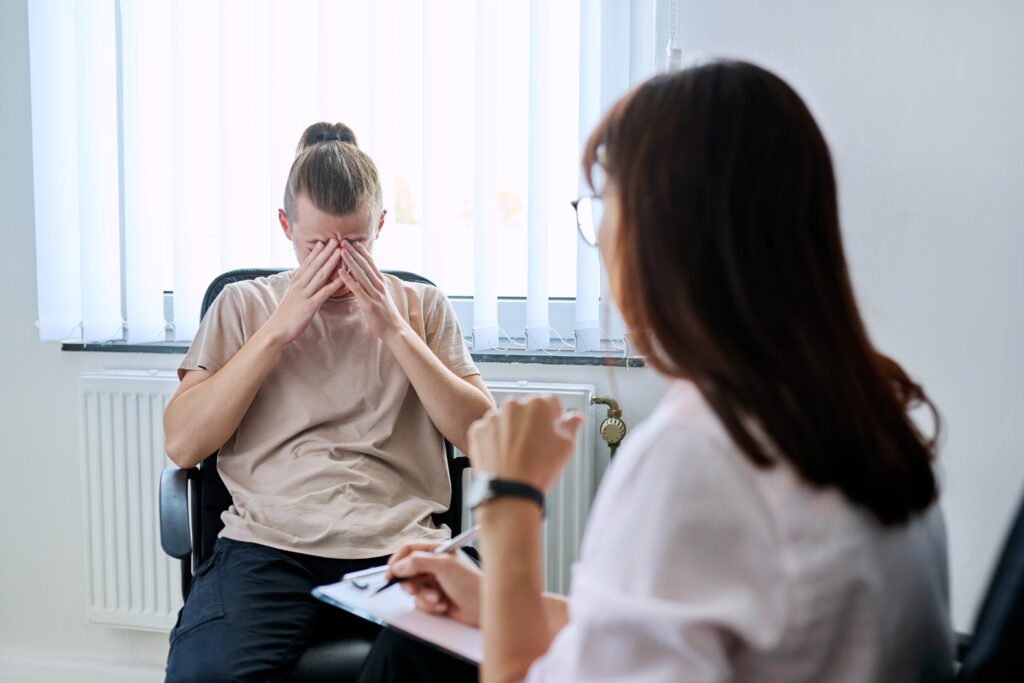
[451,402]
[199,419]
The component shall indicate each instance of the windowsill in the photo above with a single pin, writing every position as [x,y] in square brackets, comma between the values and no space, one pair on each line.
[615,359]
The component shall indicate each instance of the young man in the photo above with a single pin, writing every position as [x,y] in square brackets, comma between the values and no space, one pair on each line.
[327,390]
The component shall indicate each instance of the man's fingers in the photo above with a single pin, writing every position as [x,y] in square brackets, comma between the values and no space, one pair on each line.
[358,268]
[353,284]
[326,292]
[323,273]
[318,255]
[364,261]
[361,248]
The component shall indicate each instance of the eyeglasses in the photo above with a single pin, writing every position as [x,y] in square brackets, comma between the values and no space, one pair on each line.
[589,214]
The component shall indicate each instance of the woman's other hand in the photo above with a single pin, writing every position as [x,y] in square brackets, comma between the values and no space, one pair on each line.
[447,584]
[528,441]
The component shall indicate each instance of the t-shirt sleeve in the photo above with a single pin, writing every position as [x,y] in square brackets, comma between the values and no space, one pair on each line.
[220,335]
[443,335]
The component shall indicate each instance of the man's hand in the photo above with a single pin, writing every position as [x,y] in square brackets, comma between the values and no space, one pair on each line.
[361,276]
[311,285]
[446,584]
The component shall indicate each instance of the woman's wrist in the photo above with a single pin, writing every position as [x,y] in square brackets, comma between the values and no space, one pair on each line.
[520,510]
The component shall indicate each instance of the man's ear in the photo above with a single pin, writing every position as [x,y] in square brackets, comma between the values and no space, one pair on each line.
[380,223]
[283,219]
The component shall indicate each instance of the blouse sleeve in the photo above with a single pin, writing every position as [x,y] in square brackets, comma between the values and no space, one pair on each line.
[679,567]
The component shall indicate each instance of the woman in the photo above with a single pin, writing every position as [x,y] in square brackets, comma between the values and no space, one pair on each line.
[776,518]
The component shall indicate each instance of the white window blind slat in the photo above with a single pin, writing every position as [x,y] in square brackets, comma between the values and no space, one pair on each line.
[197,140]
[148,157]
[592,67]
[489,95]
[248,220]
[538,332]
[437,60]
[52,37]
[293,93]
[99,209]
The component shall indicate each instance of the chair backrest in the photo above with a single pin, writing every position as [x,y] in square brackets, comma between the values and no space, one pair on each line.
[210,497]
[996,652]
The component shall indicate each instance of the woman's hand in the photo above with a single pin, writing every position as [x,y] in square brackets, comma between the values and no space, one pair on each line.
[311,285]
[446,584]
[528,441]
[359,273]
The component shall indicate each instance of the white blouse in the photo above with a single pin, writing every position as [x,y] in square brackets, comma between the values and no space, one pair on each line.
[698,566]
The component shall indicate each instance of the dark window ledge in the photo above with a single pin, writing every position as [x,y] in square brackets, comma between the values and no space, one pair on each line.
[614,359]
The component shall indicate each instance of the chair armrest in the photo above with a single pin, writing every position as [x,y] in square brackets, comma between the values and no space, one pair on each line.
[175,535]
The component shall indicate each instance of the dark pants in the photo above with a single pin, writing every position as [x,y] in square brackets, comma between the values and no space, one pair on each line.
[249,615]
[398,659]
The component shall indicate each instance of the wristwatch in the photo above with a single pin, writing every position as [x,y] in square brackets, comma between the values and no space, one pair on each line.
[487,487]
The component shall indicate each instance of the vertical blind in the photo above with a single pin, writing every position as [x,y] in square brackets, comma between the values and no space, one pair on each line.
[163,132]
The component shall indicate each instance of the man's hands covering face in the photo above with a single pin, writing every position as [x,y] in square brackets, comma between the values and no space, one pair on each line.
[311,285]
[360,274]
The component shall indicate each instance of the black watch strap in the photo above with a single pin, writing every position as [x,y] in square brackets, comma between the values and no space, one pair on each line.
[516,489]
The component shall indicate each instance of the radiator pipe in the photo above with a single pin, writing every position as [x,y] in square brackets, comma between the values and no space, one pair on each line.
[613,427]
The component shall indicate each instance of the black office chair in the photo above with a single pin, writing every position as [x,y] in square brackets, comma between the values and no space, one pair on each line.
[192,500]
[995,653]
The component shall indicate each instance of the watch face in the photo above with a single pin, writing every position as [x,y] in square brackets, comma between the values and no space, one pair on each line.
[479,491]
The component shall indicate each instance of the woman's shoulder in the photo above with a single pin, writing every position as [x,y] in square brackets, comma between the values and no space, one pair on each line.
[683,479]
[682,442]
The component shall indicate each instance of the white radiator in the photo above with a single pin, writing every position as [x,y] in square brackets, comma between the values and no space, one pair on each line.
[568,503]
[131,582]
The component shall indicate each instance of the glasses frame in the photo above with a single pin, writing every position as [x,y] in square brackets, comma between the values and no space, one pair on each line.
[579,224]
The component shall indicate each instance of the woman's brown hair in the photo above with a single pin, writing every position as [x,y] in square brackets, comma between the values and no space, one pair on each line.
[729,271]
[333,172]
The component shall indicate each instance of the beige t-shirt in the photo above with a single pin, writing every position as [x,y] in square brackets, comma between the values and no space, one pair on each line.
[336,456]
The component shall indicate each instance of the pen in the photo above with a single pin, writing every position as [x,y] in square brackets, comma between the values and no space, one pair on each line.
[449,546]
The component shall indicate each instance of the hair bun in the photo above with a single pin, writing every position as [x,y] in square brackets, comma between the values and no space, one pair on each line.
[325,132]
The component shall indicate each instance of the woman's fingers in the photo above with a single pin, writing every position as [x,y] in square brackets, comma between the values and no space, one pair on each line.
[406,550]
[432,602]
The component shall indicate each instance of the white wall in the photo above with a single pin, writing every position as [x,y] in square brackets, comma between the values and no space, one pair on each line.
[922,102]
[44,635]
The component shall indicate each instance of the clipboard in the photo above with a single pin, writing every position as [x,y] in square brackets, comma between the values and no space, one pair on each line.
[396,609]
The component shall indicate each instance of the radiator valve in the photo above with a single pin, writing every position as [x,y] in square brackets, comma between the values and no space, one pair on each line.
[613,427]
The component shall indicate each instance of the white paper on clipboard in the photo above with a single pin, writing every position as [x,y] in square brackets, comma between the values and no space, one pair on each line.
[396,609]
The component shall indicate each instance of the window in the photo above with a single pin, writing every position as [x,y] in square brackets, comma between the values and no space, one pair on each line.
[163,132]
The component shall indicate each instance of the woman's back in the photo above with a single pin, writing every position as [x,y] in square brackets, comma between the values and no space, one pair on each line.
[700,566]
